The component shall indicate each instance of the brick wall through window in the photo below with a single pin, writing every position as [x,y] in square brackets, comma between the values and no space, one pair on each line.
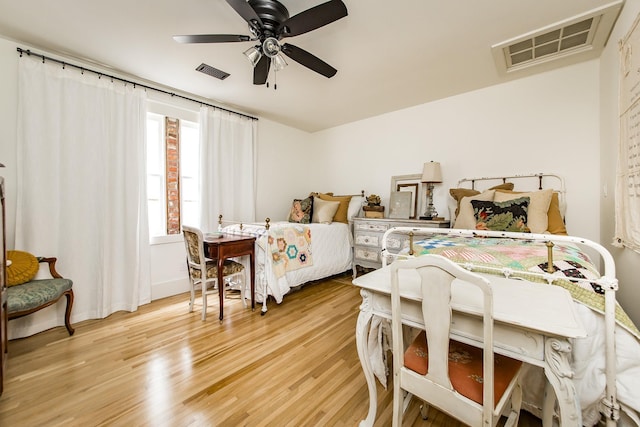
[172,138]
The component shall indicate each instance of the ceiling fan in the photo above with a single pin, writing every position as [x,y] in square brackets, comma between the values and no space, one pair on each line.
[269,23]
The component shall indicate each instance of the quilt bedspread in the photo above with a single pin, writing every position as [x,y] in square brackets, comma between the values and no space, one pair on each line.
[290,248]
[518,258]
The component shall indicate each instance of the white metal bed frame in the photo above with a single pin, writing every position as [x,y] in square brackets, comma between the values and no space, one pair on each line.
[608,282]
[609,405]
[265,236]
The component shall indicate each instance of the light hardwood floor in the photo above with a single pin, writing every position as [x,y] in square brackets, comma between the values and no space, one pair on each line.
[163,366]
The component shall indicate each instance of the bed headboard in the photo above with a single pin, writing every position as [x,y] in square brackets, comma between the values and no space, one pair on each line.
[533,181]
[525,182]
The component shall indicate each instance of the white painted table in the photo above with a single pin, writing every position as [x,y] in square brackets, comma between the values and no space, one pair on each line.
[533,323]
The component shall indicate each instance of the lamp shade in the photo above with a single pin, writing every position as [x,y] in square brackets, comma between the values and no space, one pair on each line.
[253,54]
[431,172]
[278,62]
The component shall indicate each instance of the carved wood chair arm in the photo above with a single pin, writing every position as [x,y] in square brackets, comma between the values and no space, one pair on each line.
[52,266]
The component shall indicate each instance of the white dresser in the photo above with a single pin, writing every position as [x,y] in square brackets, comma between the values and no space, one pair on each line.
[367,236]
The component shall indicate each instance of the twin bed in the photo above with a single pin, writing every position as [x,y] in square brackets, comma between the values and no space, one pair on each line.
[605,364]
[315,242]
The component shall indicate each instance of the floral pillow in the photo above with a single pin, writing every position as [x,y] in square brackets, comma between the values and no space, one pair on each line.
[510,215]
[301,210]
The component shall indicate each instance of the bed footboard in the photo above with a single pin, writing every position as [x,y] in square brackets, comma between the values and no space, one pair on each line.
[606,281]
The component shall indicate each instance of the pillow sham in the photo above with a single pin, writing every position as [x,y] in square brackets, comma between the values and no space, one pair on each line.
[459,193]
[539,202]
[465,218]
[354,207]
[510,215]
[301,210]
[343,208]
[324,210]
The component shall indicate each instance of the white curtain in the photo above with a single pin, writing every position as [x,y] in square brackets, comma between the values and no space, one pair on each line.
[227,167]
[81,183]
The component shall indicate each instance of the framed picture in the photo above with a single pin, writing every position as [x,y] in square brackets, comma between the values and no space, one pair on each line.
[400,204]
[409,184]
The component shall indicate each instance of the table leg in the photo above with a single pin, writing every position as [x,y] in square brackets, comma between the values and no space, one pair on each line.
[220,284]
[362,331]
[559,374]
[252,264]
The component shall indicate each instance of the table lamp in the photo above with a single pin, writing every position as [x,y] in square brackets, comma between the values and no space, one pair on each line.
[431,174]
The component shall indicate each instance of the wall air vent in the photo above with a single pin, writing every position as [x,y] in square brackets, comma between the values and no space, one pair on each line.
[585,34]
[212,71]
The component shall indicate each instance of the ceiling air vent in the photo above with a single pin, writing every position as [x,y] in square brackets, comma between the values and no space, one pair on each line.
[212,71]
[585,34]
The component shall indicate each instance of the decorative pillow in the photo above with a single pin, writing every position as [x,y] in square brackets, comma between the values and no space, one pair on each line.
[301,210]
[556,222]
[465,218]
[324,210]
[343,209]
[459,193]
[539,202]
[23,267]
[501,216]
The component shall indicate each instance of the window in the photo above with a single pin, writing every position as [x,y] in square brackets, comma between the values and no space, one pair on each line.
[190,172]
[173,166]
[156,175]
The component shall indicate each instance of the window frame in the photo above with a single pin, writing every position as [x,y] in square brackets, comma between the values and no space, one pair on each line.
[183,113]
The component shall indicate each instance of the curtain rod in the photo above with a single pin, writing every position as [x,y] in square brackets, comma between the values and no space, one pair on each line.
[82,69]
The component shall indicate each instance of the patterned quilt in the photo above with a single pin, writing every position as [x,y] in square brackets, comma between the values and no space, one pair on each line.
[523,256]
[290,248]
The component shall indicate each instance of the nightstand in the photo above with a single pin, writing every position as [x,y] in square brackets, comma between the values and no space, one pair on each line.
[367,238]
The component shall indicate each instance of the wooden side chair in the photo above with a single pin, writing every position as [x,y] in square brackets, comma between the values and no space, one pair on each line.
[197,263]
[462,380]
[26,295]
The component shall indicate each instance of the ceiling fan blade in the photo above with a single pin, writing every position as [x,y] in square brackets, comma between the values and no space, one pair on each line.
[247,12]
[310,61]
[211,38]
[261,70]
[313,18]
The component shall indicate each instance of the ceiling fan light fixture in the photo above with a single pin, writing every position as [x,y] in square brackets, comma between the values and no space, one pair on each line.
[271,47]
[253,54]
[278,62]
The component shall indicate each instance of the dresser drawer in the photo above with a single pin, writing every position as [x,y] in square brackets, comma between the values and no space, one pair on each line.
[368,226]
[374,240]
[367,254]
[396,241]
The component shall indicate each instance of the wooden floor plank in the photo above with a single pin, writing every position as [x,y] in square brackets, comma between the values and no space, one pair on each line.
[163,366]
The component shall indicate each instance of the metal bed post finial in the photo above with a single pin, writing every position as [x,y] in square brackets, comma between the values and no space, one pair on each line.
[267,225]
[411,243]
[550,245]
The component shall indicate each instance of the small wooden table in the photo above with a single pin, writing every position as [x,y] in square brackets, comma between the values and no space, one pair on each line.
[229,246]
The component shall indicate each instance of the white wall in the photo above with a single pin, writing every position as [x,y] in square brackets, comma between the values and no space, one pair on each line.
[544,123]
[284,168]
[627,261]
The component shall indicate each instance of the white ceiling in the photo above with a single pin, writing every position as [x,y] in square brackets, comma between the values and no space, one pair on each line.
[389,54]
